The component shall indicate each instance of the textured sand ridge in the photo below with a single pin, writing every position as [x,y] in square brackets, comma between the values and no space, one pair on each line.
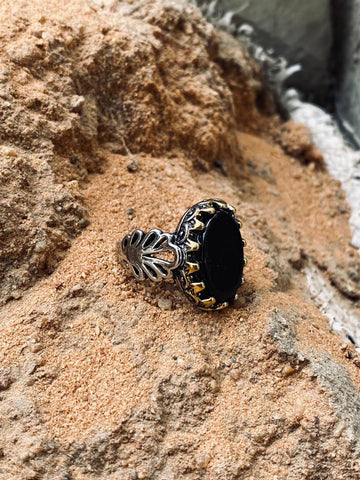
[122,117]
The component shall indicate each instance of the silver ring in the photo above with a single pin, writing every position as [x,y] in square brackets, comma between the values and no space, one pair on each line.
[205,255]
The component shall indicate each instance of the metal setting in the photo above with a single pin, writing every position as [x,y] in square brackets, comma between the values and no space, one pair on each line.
[142,254]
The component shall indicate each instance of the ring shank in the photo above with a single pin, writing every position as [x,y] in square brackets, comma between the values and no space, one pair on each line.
[142,254]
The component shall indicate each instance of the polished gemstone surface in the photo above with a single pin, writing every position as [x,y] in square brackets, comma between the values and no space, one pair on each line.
[222,257]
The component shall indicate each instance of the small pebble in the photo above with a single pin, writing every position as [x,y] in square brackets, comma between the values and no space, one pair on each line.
[84,222]
[260,436]
[194,389]
[40,246]
[214,386]
[203,460]
[30,381]
[5,379]
[16,294]
[240,302]
[339,429]
[281,215]
[300,357]
[342,209]
[165,303]
[287,370]
[131,212]
[299,409]
[35,347]
[133,166]
[182,363]
[76,103]
[312,166]
[10,152]
[274,192]
[235,374]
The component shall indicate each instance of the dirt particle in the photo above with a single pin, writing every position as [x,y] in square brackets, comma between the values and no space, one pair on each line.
[214,386]
[287,370]
[35,347]
[40,246]
[339,429]
[133,166]
[165,303]
[16,294]
[10,152]
[203,461]
[235,374]
[5,379]
[299,409]
[130,211]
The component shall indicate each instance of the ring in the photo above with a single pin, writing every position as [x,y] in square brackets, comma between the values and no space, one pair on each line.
[205,255]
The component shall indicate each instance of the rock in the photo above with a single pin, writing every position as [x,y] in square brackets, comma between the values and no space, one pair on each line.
[133,166]
[299,32]
[296,141]
[203,461]
[287,370]
[347,70]
[235,374]
[165,303]
[5,379]
[37,222]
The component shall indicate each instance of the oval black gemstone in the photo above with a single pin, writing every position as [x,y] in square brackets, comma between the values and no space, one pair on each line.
[222,257]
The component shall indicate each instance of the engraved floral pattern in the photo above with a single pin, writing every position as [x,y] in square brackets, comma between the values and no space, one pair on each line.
[141,254]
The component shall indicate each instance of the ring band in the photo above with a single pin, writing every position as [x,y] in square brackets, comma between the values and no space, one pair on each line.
[205,255]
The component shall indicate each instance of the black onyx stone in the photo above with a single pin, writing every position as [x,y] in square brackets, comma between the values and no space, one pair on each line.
[222,257]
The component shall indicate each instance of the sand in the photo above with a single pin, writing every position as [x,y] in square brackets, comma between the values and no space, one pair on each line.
[98,377]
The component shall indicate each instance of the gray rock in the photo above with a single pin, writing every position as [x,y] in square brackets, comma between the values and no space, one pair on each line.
[299,31]
[342,393]
[347,57]
[330,374]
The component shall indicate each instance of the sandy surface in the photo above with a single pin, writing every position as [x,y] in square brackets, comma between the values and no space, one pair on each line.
[96,379]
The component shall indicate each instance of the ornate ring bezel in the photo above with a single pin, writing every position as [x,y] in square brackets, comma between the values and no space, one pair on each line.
[188,236]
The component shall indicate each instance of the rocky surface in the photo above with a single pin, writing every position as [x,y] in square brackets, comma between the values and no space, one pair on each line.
[346,55]
[342,161]
[300,32]
[121,116]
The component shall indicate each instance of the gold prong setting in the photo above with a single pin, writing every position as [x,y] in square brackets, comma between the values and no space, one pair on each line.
[191,246]
[198,287]
[191,232]
[192,267]
[197,225]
